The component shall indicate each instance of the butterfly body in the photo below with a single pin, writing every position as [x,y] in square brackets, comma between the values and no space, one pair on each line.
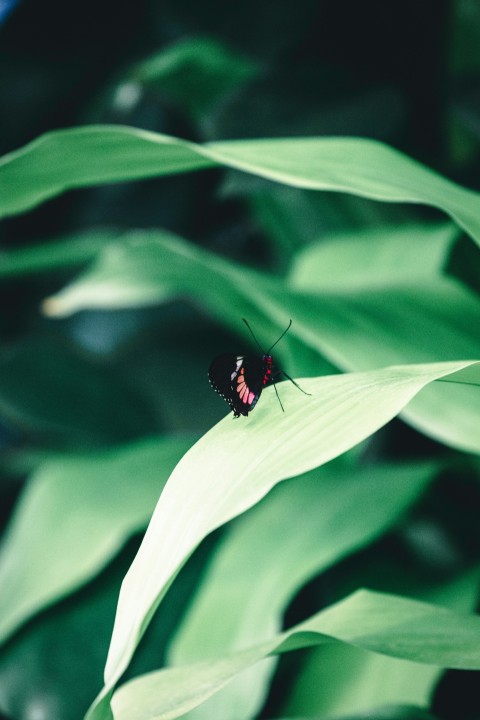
[240,379]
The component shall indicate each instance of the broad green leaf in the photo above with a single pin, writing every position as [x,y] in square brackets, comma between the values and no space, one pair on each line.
[74,515]
[300,528]
[431,320]
[65,159]
[246,460]
[152,267]
[86,156]
[385,624]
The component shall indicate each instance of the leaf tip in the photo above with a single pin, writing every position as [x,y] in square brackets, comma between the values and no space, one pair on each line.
[51,306]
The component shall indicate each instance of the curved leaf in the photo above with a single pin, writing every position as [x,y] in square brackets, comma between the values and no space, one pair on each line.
[86,156]
[235,464]
[340,679]
[385,624]
[298,530]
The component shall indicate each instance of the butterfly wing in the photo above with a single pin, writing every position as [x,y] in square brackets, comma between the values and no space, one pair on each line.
[238,379]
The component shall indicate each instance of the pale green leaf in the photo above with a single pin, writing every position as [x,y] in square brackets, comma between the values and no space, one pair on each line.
[300,528]
[236,463]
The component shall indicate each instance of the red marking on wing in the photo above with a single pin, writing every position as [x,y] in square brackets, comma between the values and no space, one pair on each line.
[245,394]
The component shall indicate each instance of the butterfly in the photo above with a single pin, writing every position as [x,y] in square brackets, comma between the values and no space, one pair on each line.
[240,379]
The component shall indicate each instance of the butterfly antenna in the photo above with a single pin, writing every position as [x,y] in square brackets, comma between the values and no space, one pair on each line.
[251,333]
[281,336]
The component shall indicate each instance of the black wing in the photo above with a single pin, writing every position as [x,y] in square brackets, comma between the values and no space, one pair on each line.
[238,379]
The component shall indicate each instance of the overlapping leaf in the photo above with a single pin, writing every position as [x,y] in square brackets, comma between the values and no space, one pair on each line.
[233,466]
[384,624]
[299,529]
[419,321]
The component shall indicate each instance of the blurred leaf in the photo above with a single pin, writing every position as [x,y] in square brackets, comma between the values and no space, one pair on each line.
[374,258]
[399,311]
[74,515]
[47,257]
[342,679]
[68,396]
[52,666]
[292,218]
[299,529]
[464,58]
[196,73]
[247,460]
[405,321]
[87,156]
[385,624]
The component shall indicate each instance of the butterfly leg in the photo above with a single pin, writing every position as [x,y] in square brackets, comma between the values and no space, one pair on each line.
[282,372]
[278,396]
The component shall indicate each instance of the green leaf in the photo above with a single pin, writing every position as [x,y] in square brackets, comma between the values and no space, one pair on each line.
[65,159]
[54,663]
[74,515]
[292,218]
[275,548]
[87,156]
[415,321]
[374,258]
[60,255]
[340,679]
[431,321]
[196,73]
[246,460]
[337,679]
[384,624]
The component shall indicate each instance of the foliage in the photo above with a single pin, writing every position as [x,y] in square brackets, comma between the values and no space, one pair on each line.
[218,165]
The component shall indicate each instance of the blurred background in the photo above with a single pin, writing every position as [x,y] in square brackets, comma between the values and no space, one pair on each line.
[403,73]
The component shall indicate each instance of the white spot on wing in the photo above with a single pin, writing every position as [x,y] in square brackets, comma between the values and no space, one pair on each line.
[238,366]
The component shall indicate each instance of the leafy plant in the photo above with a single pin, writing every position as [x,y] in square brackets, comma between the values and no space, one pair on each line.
[320,562]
